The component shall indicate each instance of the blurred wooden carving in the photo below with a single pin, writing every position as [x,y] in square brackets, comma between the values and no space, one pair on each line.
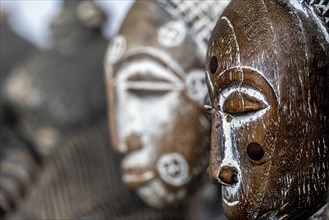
[45,98]
[155,81]
[59,101]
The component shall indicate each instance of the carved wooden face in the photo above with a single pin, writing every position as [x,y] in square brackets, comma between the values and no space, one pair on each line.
[269,141]
[155,93]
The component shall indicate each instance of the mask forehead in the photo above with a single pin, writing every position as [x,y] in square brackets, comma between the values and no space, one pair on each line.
[247,41]
[280,53]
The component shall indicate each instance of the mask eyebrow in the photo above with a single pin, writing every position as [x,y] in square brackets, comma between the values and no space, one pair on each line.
[238,75]
[156,76]
[154,86]
[154,55]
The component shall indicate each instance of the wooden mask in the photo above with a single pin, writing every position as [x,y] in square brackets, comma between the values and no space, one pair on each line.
[156,88]
[267,76]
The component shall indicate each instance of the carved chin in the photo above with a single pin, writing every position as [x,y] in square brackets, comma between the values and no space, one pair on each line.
[231,195]
[156,194]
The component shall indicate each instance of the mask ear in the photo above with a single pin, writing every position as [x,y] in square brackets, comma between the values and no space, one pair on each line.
[207,107]
[196,86]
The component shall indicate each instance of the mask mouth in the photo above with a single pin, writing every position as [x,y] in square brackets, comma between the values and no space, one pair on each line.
[137,169]
[173,169]
[135,177]
[230,195]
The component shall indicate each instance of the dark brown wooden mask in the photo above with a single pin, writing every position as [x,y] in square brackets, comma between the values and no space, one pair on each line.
[267,75]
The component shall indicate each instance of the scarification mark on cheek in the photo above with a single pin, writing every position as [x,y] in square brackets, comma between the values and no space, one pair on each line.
[196,86]
[116,49]
[172,34]
[173,169]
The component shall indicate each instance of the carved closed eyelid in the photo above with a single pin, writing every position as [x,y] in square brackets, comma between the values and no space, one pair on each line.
[148,93]
[240,103]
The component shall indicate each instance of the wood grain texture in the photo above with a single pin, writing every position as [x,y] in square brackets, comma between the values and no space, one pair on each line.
[275,52]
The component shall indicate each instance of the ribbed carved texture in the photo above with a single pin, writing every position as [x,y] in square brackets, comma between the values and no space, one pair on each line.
[322,9]
[82,181]
[199,16]
[17,170]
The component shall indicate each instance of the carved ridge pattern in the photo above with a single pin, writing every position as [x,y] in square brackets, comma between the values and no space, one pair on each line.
[322,9]
[199,16]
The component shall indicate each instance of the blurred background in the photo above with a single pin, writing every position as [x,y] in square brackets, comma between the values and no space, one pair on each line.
[31,18]
[56,157]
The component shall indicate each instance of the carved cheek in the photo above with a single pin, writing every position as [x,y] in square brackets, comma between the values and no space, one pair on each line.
[251,141]
[173,169]
[256,147]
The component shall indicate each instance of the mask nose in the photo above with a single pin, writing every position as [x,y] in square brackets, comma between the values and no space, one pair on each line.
[227,176]
[133,142]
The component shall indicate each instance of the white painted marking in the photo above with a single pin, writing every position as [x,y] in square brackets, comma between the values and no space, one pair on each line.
[140,115]
[298,6]
[240,120]
[196,86]
[160,55]
[230,160]
[231,156]
[173,169]
[133,177]
[172,34]
[116,49]
[230,203]
[253,70]
[235,40]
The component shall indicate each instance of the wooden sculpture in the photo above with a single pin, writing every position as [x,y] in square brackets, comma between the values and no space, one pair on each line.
[155,81]
[267,72]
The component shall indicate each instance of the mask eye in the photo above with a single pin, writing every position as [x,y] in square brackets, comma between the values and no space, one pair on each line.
[240,103]
[143,93]
[213,65]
